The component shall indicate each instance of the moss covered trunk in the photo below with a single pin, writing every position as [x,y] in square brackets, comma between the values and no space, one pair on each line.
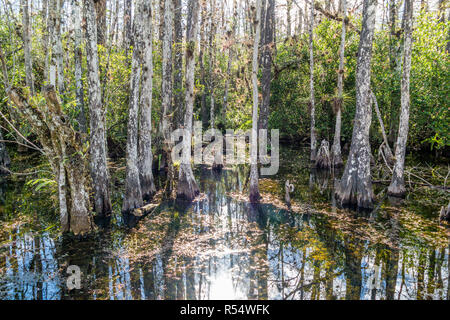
[355,188]
[63,147]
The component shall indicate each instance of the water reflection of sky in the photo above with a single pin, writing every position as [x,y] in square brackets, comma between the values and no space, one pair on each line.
[222,248]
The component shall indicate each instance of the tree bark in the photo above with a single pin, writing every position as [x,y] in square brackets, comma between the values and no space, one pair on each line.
[254,188]
[397,186]
[187,186]
[57,54]
[300,21]
[127,25]
[115,21]
[212,56]
[178,64]
[98,151]
[167,83]
[133,193]
[201,61]
[100,10]
[393,53]
[355,187]
[267,65]
[46,39]
[76,16]
[336,157]
[27,46]
[312,101]
[145,121]
[288,18]
[230,38]
[166,91]
[262,26]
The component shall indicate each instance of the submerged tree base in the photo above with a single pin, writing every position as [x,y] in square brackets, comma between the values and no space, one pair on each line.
[254,196]
[355,188]
[337,162]
[396,189]
[147,186]
[350,199]
[187,188]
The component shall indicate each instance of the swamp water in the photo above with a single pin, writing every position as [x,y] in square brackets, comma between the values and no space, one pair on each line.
[221,247]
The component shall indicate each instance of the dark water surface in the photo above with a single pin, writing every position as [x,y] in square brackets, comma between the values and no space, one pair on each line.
[220,247]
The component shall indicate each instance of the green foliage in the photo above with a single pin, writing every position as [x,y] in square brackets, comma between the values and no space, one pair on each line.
[41,183]
[289,105]
[429,120]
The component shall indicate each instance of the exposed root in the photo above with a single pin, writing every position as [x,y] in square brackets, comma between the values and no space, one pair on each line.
[288,189]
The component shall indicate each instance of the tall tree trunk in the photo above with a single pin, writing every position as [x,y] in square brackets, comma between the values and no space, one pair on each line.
[254,188]
[76,16]
[300,21]
[201,60]
[57,53]
[306,17]
[187,186]
[27,46]
[312,102]
[230,37]
[166,91]
[336,156]
[267,65]
[98,152]
[262,26]
[355,187]
[212,57]
[46,39]
[167,83]
[145,121]
[178,64]
[100,10]
[127,25]
[133,194]
[288,18]
[397,186]
[115,21]
[393,66]
[161,20]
